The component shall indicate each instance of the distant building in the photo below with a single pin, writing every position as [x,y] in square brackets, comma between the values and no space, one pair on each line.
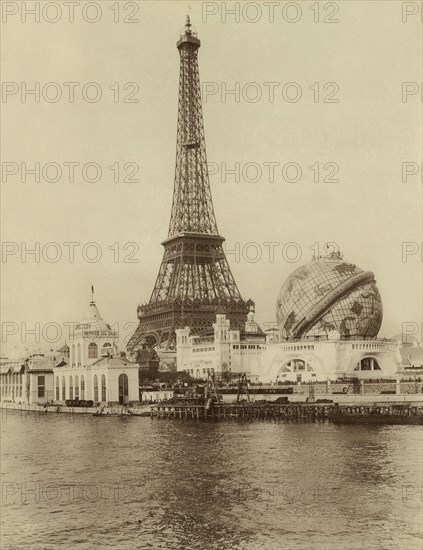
[329,313]
[28,380]
[226,351]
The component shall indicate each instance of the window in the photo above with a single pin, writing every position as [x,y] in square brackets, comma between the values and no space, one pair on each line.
[71,387]
[73,355]
[106,349]
[95,388]
[57,389]
[92,351]
[63,388]
[78,355]
[103,387]
[82,388]
[41,386]
[76,388]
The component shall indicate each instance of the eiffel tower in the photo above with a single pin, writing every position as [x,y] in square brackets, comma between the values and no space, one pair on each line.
[194,279]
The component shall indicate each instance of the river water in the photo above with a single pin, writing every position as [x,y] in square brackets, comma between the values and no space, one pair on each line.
[127,483]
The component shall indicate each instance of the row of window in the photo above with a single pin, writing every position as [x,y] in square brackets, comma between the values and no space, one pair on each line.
[203,349]
[247,346]
[198,371]
[247,353]
[298,348]
[12,386]
[9,389]
[368,346]
[11,378]
[76,389]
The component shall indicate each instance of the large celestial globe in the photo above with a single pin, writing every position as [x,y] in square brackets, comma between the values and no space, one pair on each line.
[329,298]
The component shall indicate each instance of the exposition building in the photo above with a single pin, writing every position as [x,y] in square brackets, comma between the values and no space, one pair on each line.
[227,351]
[329,313]
[95,370]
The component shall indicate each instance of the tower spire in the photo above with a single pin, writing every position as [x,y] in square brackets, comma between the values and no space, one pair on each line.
[192,207]
[194,278]
[92,296]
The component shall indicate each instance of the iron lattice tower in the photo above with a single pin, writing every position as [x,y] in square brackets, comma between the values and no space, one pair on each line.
[194,279]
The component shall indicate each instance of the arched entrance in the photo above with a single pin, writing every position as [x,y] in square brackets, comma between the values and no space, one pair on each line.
[295,370]
[368,364]
[123,389]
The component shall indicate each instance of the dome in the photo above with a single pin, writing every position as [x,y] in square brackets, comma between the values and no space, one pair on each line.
[329,297]
[94,319]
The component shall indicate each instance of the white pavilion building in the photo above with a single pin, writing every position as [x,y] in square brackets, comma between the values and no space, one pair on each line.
[95,370]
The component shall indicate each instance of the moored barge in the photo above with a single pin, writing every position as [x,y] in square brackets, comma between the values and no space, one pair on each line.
[378,415]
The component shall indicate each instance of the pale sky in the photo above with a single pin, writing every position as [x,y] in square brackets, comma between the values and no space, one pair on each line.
[368,133]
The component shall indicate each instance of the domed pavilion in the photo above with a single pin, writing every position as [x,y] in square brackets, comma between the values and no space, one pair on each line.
[329,313]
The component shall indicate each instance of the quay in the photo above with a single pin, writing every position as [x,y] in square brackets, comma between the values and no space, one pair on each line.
[383,412]
[41,410]
[292,411]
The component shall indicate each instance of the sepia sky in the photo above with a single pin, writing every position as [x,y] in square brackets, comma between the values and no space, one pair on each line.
[370,213]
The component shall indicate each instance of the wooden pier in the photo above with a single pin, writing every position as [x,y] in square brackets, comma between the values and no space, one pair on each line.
[305,412]
[250,411]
